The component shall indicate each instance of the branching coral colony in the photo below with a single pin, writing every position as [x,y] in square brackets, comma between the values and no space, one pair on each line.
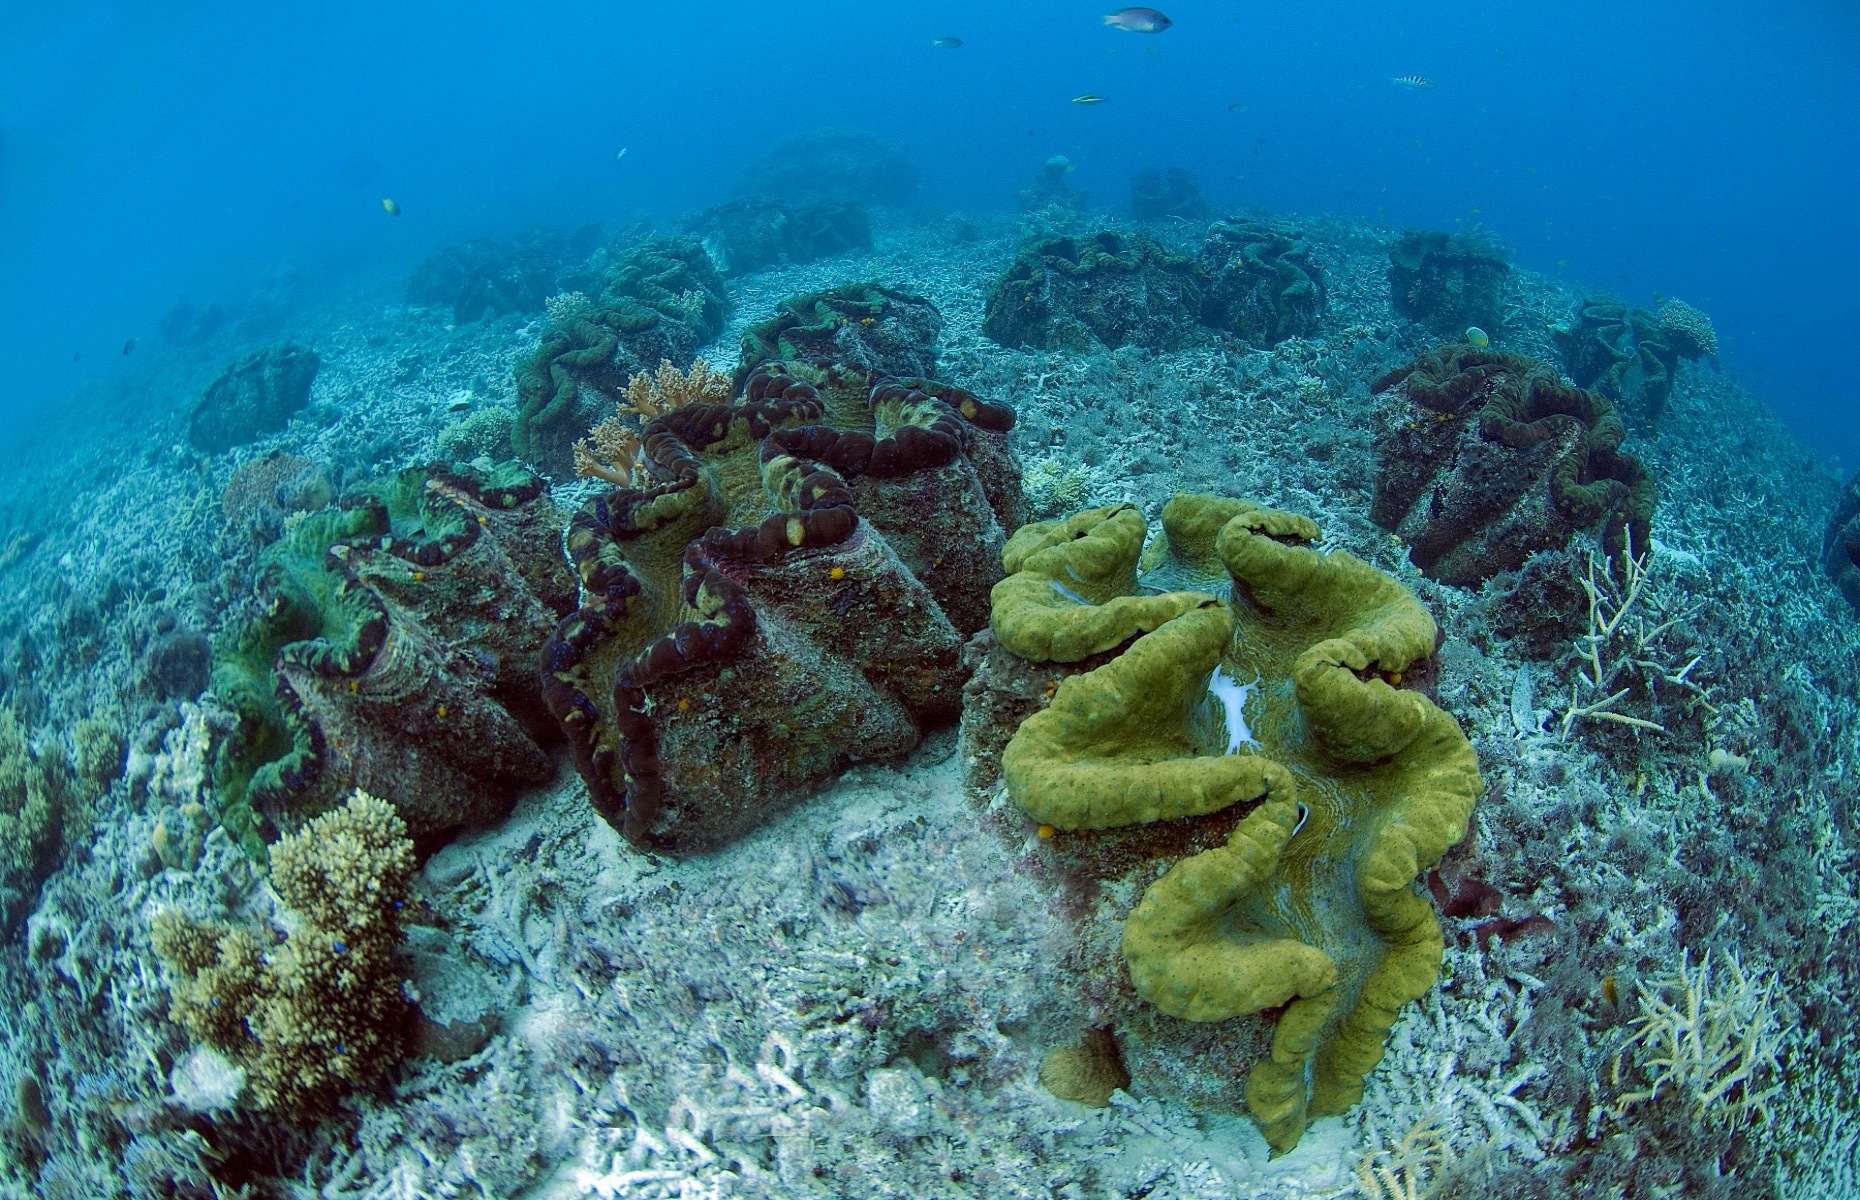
[611,449]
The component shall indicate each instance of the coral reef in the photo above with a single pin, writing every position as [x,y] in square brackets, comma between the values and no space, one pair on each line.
[1288,695]
[611,449]
[662,299]
[1049,189]
[394,649]
[1492,459]
[1448,281]
[1106,289]
[489,277]
[1630,354]
[252,397]
[1159,195]
[782,593]
[753,234]
[322,1014]
[867,326]
[1264,285]
[36,793]
[833,164]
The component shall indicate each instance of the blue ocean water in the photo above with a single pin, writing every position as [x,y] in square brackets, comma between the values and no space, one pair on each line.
[1695,150]
[391,807]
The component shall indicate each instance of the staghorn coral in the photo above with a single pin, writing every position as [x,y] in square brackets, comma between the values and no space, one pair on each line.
[661,300]
[1281,707]
[253,396]
[609,450]
[322,1014]
[1075,293]
[1264,284]
[782,593]
[1448,281]
[1493,459]
[864,325]
[393,650]
[1621,351]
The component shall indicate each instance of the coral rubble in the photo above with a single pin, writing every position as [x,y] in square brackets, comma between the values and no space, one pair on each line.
[1488,458]
[782,592]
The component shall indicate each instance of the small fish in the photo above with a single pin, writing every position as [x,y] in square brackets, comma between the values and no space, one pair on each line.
[1088,98]
[1477,338]
[1419,83]
[129,347]
[389,207]
[1236,106]
[620,155]
[75,355]
[1138,20]
[949,43]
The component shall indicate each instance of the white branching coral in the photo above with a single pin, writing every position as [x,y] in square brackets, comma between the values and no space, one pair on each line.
[1711,1040]
[611,449]
[1689,330]
[1623,651]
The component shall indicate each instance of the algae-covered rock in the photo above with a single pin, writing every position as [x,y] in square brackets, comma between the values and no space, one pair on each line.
[1160,195]
[867,326]
[1492,459]
[661,300]
[1264,284]
[489,277]
[253,396]
[1622,351]
[1840,545]
[1448,281]
[1267,738]
[1107,289]
[776,597]
[753,234]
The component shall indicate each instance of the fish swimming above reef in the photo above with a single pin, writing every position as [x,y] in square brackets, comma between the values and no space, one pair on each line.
[947,43]
[1477,338]
[129,347]
[1088,98]
[1138,20]
[390,207]
[1419,83]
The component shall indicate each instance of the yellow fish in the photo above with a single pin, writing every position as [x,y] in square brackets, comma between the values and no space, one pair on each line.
[1477,338]
[389,207]
[1419,83]
[1088,98]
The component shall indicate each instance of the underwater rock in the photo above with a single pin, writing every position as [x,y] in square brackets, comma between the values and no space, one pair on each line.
[177,665]
[1266,742]
[1049,189]
[867,326]
[833,164]
[1157,195]
[1623,352]
[1448,281]
[1106,289]
[1264,284]
[783,592]
[254,396]
[488,277]
[189,324]
[1840,546]
[662,299]
[744,236]
[264,491]
[1493,459]
[395,651]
